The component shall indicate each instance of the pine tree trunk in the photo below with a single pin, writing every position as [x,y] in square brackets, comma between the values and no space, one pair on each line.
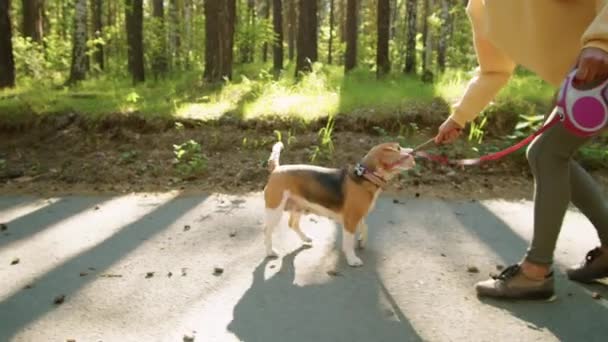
[444,35]
[32,19]
[277,21]
[266,16]
[79,59]
[412,31]
[292,25]
[427,39]
[383,64]
[98,32]
[188,8]
[174,35]
[220,18]
[135,45]
[342,20]
[331,32]
[307,36]
[159,64]
[394,13]
[7,63]
[350,58]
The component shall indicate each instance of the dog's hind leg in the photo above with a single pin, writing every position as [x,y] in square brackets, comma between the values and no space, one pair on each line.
[294,223]
[272,219]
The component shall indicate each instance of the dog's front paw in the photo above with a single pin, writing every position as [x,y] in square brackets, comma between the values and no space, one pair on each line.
[354,261]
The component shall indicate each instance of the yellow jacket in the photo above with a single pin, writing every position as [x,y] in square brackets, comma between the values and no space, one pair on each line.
[543,36]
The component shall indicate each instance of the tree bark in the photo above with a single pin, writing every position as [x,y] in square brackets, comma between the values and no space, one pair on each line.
[174,35]
[342,20]
[383,64]
[292,20]
[159,64]
[135,44]
[220,17]
[267,17]
[307,36]
[7,63]
[427,39]
[277,23]
[98,32]
[352,13]
[444,35]
[32,19]
[78,69]
[410,52]
[331,31]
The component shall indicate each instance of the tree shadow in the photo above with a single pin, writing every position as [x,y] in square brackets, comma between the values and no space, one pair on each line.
[352,306]
[573,316]
[27,305]
[40,219]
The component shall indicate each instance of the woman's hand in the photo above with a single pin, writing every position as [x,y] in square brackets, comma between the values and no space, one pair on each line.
[592,66]
[448,132]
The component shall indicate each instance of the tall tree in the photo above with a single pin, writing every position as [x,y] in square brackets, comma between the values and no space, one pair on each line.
[159,64]
[352,14]
[427,42]
[331,32]
[7,63]
[247,49]
[342,20]
[220,17]
[307,52]
[292,20]
[98,32]
[444,36]
[410,51]
[134,15]
[32,19]
[277,23]
[383,64]
[79,43]
[174,32]
[266,13]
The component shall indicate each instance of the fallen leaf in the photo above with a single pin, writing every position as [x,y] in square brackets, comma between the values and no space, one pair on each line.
[59,299]
[188,338]
[169,274]
[149,274]
[186,228]
[232,234]
[472,269]
[83,274]
[3,227]
[218,271]
[111,275]
[334,273]
[15,261]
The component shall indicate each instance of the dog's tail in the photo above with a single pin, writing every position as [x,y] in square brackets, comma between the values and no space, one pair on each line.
[273,160]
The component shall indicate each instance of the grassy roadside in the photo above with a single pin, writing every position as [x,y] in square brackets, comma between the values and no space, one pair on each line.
[257,96]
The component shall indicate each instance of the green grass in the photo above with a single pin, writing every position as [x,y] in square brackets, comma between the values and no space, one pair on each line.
[255,94]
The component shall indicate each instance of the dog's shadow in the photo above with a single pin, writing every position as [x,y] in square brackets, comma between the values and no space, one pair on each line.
[353,306]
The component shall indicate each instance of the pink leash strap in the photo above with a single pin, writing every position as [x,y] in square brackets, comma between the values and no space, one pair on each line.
[494,156]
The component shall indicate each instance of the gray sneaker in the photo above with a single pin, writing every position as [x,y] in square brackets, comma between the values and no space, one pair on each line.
[511,283]
[595,266]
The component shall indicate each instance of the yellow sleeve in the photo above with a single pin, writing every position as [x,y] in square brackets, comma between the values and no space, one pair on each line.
[495,69]
[596,34]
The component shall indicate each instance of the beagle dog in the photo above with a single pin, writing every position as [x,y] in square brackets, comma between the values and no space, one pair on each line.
[346,195]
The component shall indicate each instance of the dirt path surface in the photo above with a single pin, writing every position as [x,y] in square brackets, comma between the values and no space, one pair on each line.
[170,267]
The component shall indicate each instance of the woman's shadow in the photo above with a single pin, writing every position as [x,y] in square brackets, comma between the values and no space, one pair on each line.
[354,306]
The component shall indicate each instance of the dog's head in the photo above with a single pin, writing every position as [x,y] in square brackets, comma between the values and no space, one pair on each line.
[388,159]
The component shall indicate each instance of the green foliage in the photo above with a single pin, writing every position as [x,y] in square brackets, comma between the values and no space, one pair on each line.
[325,147]
[189,160]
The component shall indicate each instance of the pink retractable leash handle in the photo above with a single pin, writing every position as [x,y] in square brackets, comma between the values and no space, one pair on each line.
[584,112]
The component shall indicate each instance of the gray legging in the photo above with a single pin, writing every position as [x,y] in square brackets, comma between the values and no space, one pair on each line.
[558,180]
